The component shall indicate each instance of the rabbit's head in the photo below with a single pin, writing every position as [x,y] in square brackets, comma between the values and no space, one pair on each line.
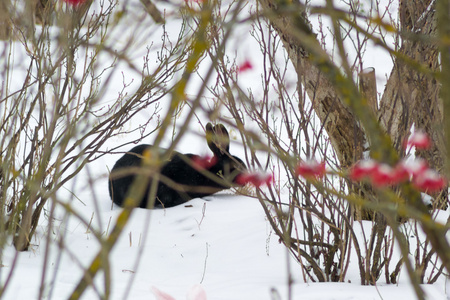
[219,142]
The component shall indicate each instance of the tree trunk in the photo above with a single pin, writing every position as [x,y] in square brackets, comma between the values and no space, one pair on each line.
[5,22]
[410,97]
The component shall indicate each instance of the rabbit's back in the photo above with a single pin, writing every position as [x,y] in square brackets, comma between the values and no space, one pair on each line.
[118,187]
[132,157]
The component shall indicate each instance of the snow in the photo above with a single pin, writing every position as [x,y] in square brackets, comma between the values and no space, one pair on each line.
[223,243]
[427,199]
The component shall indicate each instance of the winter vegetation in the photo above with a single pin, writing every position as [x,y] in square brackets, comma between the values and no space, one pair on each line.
[224,149]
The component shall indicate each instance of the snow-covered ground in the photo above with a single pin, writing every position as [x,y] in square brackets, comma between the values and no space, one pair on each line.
[223,243]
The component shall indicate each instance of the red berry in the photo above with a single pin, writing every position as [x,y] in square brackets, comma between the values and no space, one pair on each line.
[382,176]
[246,66]
[429,180]
[255,179]
[74,2]
[363,169]
[203,162]
[311,169]
[420,140]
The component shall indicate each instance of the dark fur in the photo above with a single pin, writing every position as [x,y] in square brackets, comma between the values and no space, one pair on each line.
[192,183]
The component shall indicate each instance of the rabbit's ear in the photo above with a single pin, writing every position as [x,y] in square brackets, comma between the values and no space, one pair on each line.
[218,139]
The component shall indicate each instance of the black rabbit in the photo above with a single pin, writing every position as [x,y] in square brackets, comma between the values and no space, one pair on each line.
[183,176]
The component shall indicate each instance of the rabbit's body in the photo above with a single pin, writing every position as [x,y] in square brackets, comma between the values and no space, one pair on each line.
[181,179]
